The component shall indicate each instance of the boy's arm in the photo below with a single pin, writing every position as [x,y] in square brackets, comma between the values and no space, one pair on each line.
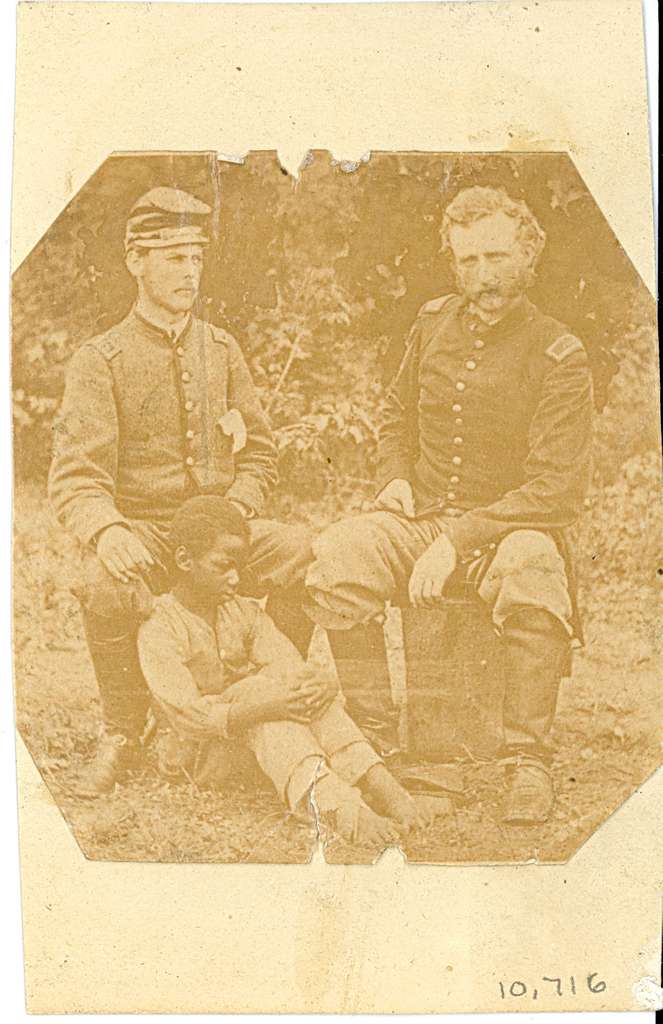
[266,695]
[163,654]
[304,691]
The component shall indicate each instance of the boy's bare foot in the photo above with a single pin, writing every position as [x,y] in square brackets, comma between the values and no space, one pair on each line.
[341,806]
[385,795]
[358,824]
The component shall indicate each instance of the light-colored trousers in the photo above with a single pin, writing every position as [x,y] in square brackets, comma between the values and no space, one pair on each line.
[361,563]
[289,753]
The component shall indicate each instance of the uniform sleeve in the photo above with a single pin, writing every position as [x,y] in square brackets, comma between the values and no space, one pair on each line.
[397,443]
[83,471]
[557,467]
[255,465]
[163,652]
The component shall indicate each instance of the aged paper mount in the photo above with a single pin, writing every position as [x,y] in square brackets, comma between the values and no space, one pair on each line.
[140,937]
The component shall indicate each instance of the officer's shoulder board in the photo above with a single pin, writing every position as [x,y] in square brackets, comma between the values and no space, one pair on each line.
[220,336]
[435,305]
[108,345]
[564,346]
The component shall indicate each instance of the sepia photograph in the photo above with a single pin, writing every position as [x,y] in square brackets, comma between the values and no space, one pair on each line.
[337,509]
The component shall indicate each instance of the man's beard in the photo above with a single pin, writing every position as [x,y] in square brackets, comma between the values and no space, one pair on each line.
[501,296]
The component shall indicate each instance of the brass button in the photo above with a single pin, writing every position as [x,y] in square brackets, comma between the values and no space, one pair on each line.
[186,377]
[460,386]
[451,496]
[456,407]
[459,422]
[190,435]
[458,440]
[457,461]
[470,364]
[479,343]
[477,553]
[179,350]
[189,460]
[454,480]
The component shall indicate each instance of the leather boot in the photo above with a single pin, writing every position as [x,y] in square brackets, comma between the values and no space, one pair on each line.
[125,701]
[115,755]
[284,607]
[360,655]
[124,695]
[530,794]
[536,649]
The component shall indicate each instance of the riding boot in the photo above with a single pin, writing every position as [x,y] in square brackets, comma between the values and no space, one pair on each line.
[536,649]
[360,655]
[284,607]
[124,699]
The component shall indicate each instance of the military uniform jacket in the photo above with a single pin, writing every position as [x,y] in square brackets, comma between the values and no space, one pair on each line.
[491,425]
[147,422]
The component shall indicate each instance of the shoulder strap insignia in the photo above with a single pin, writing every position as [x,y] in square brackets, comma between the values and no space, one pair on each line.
[563,347]
[108,345]
[220,336]
[435,305]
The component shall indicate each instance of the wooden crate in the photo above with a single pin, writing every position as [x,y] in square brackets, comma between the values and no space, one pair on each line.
[454,681]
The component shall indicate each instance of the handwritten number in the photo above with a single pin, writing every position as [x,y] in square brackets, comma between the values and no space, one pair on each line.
[599,986]
[557,982]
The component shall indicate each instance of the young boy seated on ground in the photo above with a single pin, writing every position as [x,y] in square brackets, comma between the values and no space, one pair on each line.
[224,679]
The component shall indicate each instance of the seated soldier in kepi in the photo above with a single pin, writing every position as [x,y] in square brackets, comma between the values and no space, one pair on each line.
[484,461]
[223,678]
[158,409]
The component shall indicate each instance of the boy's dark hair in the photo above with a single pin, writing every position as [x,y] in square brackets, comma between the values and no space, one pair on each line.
[200,521]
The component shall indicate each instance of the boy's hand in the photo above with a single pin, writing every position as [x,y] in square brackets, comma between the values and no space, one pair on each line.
[299,697]
[316,689]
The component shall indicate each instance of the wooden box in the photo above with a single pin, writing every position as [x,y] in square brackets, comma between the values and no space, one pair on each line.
[454,681]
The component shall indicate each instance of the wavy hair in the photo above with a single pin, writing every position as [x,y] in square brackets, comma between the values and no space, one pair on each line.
[471,204]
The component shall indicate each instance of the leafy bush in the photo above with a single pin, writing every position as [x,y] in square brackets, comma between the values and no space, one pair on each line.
[319,280]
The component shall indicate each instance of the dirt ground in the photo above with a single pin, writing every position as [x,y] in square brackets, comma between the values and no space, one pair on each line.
[608,735]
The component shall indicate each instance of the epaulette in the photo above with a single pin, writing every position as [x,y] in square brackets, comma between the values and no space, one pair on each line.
[220,336]
[435,305]
[563,347]
[108,345]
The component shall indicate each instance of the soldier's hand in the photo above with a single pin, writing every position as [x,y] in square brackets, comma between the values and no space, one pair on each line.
[397,497]
[122,553]
[431,572]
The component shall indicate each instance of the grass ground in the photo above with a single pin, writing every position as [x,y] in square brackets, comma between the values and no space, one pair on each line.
[607,733]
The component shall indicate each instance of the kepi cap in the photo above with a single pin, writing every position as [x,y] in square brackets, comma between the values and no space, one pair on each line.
[167,216]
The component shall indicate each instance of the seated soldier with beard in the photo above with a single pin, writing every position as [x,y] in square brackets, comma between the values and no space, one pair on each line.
[484,461]
[223,679]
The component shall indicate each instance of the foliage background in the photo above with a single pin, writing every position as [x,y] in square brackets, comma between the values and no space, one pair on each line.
[335,265]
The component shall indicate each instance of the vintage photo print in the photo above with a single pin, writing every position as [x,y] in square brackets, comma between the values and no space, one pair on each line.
[337,508]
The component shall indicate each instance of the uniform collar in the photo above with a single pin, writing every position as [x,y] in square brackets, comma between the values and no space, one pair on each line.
[171,334]
[523,310]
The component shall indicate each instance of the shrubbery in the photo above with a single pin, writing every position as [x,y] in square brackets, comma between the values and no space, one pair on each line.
[335,267]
